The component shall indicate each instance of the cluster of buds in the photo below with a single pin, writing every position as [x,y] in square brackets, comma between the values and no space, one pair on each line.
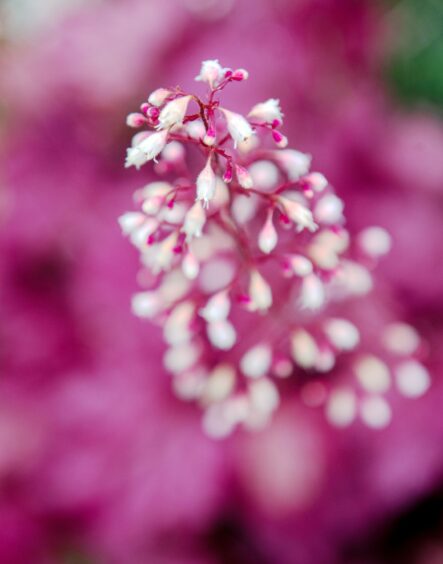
[248,268]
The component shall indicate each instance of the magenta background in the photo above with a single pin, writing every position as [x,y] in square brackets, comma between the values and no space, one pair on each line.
[98,460]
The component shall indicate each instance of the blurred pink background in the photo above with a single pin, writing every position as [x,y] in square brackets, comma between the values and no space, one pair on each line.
[99,463]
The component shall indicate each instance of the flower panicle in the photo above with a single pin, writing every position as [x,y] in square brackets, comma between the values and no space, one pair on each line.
[246,260]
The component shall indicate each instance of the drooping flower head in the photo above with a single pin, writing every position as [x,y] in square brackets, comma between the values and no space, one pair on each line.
[249,268]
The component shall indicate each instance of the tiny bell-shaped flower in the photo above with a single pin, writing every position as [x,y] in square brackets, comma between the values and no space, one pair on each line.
[259,292]
[194,221]
[147,150]
[298,213]
[268,238]
[211,72]
[174,112]
[206,184]
[158,97]
[239,128]
[135,157]
[267,112]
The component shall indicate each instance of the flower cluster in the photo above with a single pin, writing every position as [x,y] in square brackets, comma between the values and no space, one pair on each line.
[249,270]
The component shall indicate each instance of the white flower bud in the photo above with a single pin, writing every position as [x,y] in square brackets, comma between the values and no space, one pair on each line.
[294,163]
[176,329]
[298,213]
[211,72]
[161,255]
[243,177]
[259,292]
[131,221]
[219,384]
[329,209]
[412,379]
[300,265]
[238,127]
[267,239]
[222,334]
[304,349]
[206,183]
[158,97]
[174,112]
[195,220]
[372,374]
[217,308]
[190,266]
[342,334]
[341,407]
[312,292]
[267,111]
[256,362]
[146,304]
[375,241]
[317,181]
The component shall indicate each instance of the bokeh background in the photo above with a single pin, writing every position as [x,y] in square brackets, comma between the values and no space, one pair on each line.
[99,463]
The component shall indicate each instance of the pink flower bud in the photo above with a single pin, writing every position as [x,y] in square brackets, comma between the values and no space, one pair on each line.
[280,139]
[135,120]
[240,74]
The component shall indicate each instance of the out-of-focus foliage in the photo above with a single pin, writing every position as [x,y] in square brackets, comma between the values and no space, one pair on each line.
[414,70]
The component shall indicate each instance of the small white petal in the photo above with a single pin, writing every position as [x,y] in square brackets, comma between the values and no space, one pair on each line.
[294,163]
[222,334]
[211,72]
[268,238]
[341,407]
[206,183]
[146,304]
[300,265]
[217,308]
[264,175]
[219,384]
[267,111]
[372,373]
[181,357]
[375,412]
[401,338]
[342,334]
[329,209]
[256,362]
[412,379]
[259,292]
[238,127]
[312,295]
[304,349]
[174,112]
[130,221]
[190,266]
[176,329]
[375,241]
[158,97]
